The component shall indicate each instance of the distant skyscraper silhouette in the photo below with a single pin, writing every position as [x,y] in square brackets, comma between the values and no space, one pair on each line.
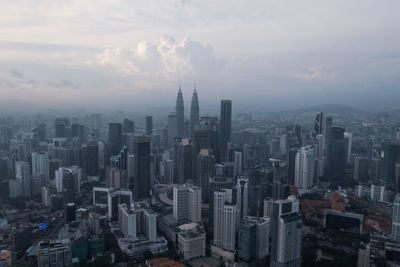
[335,152]
[225,126]
[141,188]
[149,125]
[194,112]
[180,115]
[115,134]
[318,123]
[128,126]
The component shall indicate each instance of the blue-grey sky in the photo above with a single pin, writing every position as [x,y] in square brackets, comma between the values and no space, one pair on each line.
[265,54]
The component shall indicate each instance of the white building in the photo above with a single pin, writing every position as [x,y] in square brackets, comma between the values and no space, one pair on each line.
[40,165]
[191,241]
[55,253]
[225,218]
[304,168]
[262,234]
[187,203]
[76,172]
[396,219]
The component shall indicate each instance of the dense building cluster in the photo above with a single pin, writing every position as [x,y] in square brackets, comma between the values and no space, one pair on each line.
[230,189]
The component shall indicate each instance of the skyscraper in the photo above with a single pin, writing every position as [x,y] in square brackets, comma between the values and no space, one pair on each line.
[318,123]
[286,234]
[391,155]
[115,135]
[142,181]
[186,161]
[187,203]
[92,159]
[61,125]
[224,220]
[149,125]
[23,177]
[304,168]
[128,126]
[335,152]
[396,219]
[40,165]
[172,129]
[194,113]
[180,116]
[242,198]
[225,126]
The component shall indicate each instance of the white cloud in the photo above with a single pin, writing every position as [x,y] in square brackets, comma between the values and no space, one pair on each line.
[169,59]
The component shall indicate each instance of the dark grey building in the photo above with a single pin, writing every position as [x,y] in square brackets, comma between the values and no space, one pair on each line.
[225,127]
[141,186]
[149,125]
[335,153]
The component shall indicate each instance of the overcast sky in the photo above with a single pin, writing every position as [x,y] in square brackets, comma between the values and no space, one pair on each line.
[265,54]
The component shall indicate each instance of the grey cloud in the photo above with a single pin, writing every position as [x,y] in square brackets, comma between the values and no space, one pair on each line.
[15,73]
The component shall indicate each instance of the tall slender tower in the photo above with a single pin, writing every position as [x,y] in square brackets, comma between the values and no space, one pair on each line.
[194,112]
[180,116]
[225,128]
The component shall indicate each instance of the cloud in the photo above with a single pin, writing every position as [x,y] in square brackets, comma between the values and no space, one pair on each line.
[15,73]
[169,59]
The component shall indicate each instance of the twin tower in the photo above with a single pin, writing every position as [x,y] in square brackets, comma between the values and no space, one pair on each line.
[180,113]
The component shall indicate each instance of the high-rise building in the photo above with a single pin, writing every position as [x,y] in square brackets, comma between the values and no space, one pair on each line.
[142,176]
[180,115]
[149,125]
[115,135]
[93,159]
[22,174]
[242,198]
[304,168]
[225,127]
[186,161]
[396,219]
[348,139]
[391,155]
[40,165]
[205,170]
[187,203]
[361,168]
[68,186]
[335,152]
[224,220]
[194,112]
[128,126]
[172,129]
[61,125]
[55,253]
[286,233]
[238,163]
[318,123]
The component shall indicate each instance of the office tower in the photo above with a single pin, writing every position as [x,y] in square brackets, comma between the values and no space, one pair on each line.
[187,204]
[22,174]
[225,127]
[321,146]
[128,126]
[242,198]
[55,253]
[61,125]
[283,144]
[304,168]
[348,139]
[253,243]
[93,159]
[14,188]
[130,166]
[180,116]
[224,220]
[361,169]
[141,186]
[191,241]
[329,122]
[291,164]
[238,163]
[391,155]
[258,188]
[127,220]
[318,123]
[40,165]
[70,212]
[68,187]
[115,135]
[396,219]
[364,254]
[116,178]
[286,234]
[247,242]
[205,170]
[149,125]
[370,147]
[335,153]
[77,175]
[194,113]
[78,133]
[186,161]
[172,129]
